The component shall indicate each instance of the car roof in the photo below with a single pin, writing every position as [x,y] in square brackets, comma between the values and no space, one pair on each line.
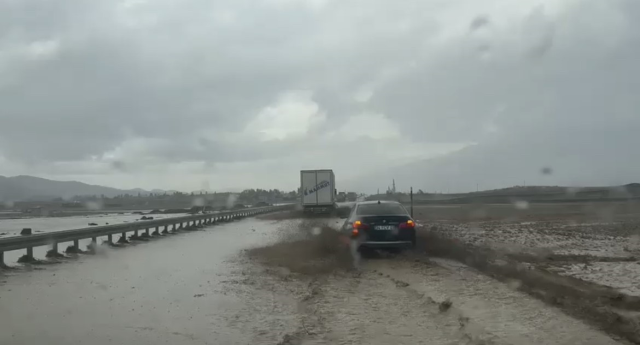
[377,202]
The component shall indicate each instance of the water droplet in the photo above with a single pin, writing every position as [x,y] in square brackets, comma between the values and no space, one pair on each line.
[118,165]
[93,205]
[199,201]
[521,205]
[478,22]
[231,200]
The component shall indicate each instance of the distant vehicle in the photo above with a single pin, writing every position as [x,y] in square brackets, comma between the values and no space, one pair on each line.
[318,189]
[380,225]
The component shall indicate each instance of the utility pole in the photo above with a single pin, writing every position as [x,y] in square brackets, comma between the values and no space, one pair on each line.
[411,198]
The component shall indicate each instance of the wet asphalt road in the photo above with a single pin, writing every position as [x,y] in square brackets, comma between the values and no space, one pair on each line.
[199,288]
[167,291]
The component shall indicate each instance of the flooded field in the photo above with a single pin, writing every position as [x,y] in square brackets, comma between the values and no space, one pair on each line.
[583,257]
[12,227]
[598,243]
[276,279]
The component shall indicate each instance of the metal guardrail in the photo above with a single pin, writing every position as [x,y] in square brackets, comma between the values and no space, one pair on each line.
[168,224]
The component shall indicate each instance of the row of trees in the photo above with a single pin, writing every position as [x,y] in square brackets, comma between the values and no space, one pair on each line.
[247,195]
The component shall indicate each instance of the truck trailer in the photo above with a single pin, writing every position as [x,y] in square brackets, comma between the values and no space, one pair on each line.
[318,189]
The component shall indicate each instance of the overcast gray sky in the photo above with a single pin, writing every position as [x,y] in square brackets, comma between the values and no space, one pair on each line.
[224,94]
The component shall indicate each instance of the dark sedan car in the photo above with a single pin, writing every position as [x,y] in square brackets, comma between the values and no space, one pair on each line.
[380,225]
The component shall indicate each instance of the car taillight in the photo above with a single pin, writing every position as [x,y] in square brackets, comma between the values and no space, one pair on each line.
[408,225]
[360,226]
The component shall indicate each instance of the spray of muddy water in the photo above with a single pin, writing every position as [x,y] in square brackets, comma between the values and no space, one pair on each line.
[306,246]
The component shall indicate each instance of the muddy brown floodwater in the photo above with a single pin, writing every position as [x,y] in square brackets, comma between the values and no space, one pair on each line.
[402,299]
[271,281]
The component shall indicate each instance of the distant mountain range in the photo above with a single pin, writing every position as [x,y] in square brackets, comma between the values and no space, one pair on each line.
[494,166]
[29,188]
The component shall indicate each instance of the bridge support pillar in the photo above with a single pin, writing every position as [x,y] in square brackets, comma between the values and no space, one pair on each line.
[110,239]
[166,229]
[135,236]
[27,258]
[53,252]
[74,249]
[91,248]
[123,238]
[2,264]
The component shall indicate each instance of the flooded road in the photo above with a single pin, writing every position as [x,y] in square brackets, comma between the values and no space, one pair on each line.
[167,291]
[265,282]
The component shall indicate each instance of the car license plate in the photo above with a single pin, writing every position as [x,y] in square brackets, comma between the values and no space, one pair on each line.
[384,227]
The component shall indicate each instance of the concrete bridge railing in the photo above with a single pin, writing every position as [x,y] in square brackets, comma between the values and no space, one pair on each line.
[141,230]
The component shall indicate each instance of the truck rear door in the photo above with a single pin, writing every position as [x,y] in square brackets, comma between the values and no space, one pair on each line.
[324,187]
[308,184]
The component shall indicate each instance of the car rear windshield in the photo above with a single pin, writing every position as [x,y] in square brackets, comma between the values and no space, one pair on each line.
[382,209]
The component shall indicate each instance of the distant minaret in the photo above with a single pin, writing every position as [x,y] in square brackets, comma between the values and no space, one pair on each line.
[394,186]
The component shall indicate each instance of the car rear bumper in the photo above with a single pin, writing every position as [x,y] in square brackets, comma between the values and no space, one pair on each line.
[386,244]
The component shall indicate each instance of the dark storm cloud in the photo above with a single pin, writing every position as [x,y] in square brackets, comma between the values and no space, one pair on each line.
[108,82]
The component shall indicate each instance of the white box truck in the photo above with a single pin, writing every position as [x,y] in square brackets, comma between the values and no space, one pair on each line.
[318,189]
